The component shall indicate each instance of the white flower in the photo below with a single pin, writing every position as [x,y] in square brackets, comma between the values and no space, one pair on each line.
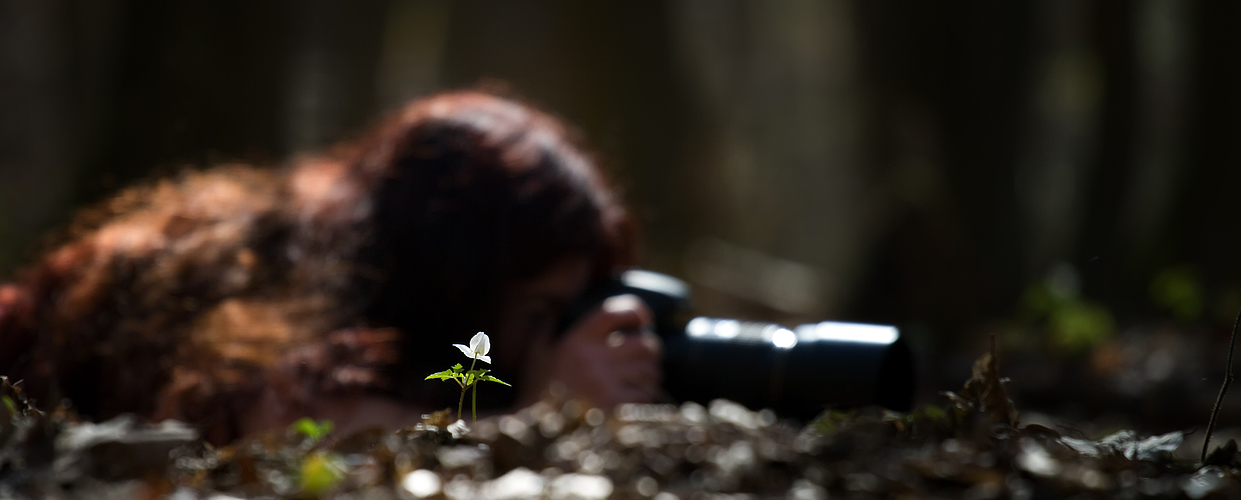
[458,429]
[480,345]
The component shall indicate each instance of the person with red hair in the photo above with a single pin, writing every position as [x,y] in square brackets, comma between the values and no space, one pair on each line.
[240,299]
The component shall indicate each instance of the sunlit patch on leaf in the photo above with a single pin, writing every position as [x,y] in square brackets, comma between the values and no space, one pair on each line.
[444,375]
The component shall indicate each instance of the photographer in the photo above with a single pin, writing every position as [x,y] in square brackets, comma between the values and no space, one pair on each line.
[240,299]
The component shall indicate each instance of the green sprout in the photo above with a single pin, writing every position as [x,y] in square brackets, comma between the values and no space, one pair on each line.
[477,351]
[308,427]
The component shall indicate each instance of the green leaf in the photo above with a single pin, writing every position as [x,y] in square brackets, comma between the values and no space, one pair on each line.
[312,429]
[489,378]
[8,403]
[444,375]
[320,471]
[457,368]
[1081,325]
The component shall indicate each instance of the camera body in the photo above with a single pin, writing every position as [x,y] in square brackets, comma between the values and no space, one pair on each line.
[797,372]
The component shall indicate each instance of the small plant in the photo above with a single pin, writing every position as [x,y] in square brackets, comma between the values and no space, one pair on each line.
[308,427]
[477,351]
[319,470]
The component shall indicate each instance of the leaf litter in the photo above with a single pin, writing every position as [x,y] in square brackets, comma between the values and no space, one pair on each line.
[974,446]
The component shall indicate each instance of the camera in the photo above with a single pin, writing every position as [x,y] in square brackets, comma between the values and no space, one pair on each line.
[797,372]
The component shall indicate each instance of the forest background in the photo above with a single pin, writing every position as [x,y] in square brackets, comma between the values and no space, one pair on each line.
[1058,173]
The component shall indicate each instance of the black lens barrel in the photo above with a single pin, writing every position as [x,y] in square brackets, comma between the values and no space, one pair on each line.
[798,373]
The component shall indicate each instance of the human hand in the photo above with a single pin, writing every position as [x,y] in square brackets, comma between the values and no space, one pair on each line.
[608,357]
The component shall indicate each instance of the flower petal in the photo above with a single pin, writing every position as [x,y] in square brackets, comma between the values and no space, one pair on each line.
[458,429]
[485,359]
[480,343]
[486,343]
[469,353]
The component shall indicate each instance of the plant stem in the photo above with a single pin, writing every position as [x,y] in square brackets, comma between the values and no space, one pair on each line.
[466,388]
[474,404]
[1219,402]
[460,402]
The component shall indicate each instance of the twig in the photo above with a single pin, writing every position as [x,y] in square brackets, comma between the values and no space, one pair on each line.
[1219,402]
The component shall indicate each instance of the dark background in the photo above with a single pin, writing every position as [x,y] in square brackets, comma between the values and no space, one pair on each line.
[1059,174]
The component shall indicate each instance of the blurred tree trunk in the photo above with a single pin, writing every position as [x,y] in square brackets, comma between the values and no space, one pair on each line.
[1205,228]
[331,87]
[97,94]
[412,58]
[951,89]
[789,201]
[1058,150]
[55,70]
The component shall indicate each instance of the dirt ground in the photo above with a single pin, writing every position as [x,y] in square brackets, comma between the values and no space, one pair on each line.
[974,445]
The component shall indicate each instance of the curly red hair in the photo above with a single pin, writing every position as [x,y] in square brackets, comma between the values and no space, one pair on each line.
[187,297]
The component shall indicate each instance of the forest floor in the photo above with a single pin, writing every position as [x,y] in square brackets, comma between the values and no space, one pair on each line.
[974,445]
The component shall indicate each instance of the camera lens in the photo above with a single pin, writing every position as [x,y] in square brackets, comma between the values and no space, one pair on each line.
[798,372]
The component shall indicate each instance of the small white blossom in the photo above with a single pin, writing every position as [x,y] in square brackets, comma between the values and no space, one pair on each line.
[458,429]
[480,345]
